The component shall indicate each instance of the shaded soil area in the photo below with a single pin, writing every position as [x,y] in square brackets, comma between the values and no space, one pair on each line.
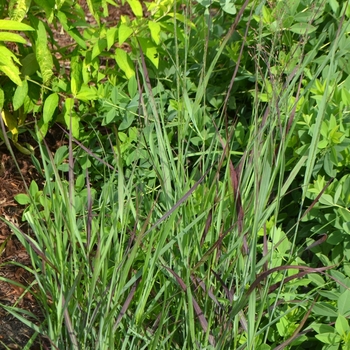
[14,260]
[15,176]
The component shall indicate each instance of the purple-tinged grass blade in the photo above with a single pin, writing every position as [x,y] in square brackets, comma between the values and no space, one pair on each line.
[126,303]
[229,293]
[305,269]
[296,333]
[197,280]
[199,313]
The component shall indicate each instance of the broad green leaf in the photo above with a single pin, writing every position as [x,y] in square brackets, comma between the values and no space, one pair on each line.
[111,36]
[345,213]
[124,63]
[42,129]
[76,74]
[264,347]
[128,118]
[150,51]
[342,325]
[6,24]
[71,118]
[329,338]
[124,32]
[322,328]
[7,65]
[316,279]
[18,9]
[329,295]
[87,93]
[4,36]
[22,199]
[302,28]
[291,6]
[324,309]
[59,3]
[344,303]
[345,96]
[228,6]
[136,7]
[329,166]
[109,117]
[73,122]
[99,47]
[29,65]
[334,5]
[29,106]
[19,95]
[10,121]
[69,104]
[42,51]
[327,199]
[154,27]
[50,105]
[132,87]
[33,188]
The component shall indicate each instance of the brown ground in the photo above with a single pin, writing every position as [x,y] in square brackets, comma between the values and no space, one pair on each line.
[13,333]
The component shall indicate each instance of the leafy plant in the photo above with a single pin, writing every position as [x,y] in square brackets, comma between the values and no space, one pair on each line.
[202,199]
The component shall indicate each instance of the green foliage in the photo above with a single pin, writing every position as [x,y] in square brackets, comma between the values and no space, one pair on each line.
[206,202]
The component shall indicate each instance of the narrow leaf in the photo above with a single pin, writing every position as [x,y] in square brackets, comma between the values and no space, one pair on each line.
[71,31]
[199,313]
[2,98]
[302,28]
[94,8]
[127,303]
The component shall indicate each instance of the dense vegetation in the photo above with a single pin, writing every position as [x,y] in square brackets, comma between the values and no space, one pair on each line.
[202,201]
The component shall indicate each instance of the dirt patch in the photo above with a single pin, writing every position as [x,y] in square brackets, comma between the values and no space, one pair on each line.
[14,277]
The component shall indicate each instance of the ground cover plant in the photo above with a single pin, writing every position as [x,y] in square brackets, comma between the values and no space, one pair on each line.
[201,197]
